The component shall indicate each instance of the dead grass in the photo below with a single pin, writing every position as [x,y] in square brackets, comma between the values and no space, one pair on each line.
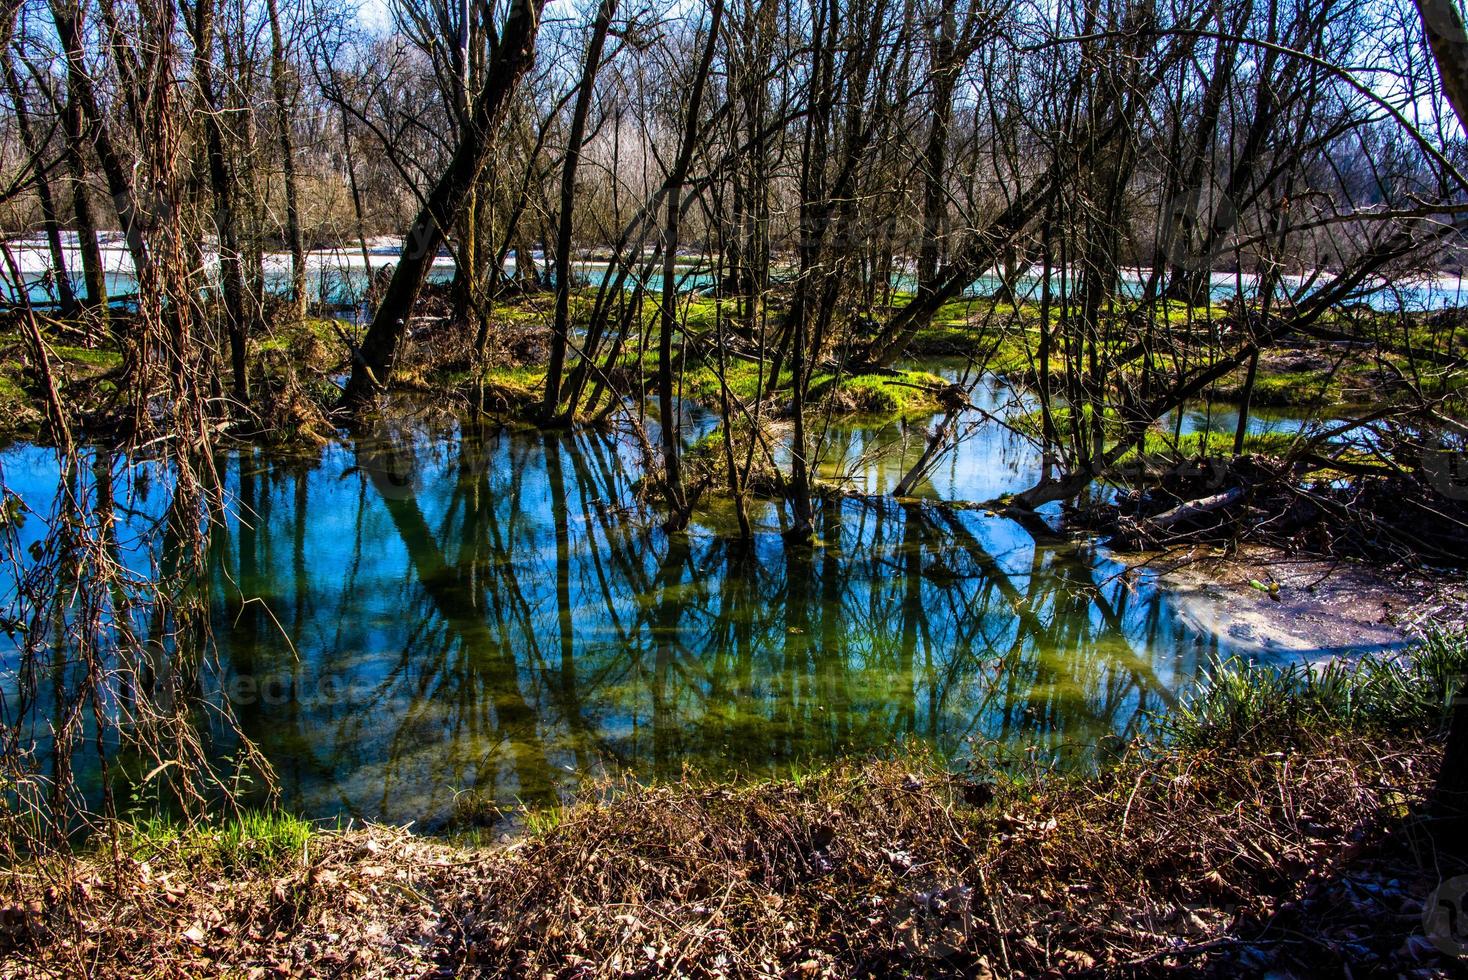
[1166,861]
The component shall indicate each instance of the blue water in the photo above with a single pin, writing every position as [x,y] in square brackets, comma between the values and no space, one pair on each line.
[343,286]
[425,611]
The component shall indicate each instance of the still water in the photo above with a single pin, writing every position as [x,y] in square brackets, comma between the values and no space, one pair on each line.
[429,610]
[339,278]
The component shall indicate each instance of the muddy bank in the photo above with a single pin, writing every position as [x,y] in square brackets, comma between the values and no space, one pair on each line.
[1278,608]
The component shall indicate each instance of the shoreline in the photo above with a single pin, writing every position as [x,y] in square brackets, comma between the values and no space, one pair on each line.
[1322,610]
[877,866]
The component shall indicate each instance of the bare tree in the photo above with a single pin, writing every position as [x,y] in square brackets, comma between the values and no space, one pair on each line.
[513,56]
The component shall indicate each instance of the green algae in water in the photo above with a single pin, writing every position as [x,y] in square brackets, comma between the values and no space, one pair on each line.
[427,614]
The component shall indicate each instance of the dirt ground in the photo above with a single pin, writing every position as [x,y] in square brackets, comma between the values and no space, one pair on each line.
[1278,607]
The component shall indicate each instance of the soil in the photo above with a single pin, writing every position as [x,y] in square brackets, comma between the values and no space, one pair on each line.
[1321,609]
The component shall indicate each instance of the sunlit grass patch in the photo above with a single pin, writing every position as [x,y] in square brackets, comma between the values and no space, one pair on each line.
[896,393]
[745,379]
[91,357]
[253,838]
[1240,703]
[1163,446]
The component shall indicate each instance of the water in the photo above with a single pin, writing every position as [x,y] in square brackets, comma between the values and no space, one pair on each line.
[426,612]
[338,278]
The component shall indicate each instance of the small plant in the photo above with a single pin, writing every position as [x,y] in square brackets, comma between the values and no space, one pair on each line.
[1242,703]
[253,838]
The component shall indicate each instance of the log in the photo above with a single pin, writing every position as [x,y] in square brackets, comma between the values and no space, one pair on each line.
[1192,509]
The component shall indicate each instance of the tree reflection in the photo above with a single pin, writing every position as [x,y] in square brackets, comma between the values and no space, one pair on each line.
[507,624]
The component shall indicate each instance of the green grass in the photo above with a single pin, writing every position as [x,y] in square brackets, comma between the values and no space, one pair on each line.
[701,384]
[254,838]
[1161,446]
[10,390]
[1158,445]
[1287,389]
[531,378]
[101,359]
[877,394]
[1243,704]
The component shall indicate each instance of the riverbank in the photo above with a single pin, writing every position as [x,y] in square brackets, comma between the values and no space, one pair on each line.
[1276,606]
[295,361]
[1282,824]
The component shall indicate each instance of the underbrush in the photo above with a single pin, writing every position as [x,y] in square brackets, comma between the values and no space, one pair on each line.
[1267,830]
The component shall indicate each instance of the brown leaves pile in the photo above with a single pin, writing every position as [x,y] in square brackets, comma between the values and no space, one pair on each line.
[1165,862]
[356,903]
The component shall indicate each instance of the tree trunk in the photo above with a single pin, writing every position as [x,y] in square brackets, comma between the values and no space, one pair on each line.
[66,14]
[512,58]
[667,319]
[1443,25]
[942,77]
[94,273]
[221,183]
[281,91]
[35,151]
[560,331]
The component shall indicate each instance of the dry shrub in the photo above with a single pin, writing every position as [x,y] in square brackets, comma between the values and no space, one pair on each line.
[1168,861]
[883,867]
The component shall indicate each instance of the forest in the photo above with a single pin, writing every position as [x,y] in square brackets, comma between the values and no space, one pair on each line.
[733,488]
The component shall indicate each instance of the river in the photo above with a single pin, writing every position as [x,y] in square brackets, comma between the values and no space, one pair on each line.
[427,614]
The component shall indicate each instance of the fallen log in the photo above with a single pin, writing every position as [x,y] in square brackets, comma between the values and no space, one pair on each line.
[1147,531]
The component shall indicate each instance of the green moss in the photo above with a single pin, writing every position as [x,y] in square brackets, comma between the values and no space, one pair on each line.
[744,378]
[323,327]
[1161,447]
[529,377]
[104,360]
[1032,422]
[1286,389]
[905,393]
[10,390]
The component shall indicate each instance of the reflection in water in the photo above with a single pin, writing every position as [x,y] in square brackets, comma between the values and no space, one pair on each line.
[430,612]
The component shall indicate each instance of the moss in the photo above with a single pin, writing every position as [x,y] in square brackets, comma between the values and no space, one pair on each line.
[899,393]
[1032,422]
[699,312]
[10,390]
[100,359]
[1286,389]
[18,413]
[1160,446]
[323,327]
[744,378]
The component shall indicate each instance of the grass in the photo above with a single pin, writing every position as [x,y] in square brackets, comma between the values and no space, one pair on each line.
[1242,704]
[98,359]
[527,378]
[254,838]
[1161,446]
[701,384]
[905,393]
[897,393]
[1286,389]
